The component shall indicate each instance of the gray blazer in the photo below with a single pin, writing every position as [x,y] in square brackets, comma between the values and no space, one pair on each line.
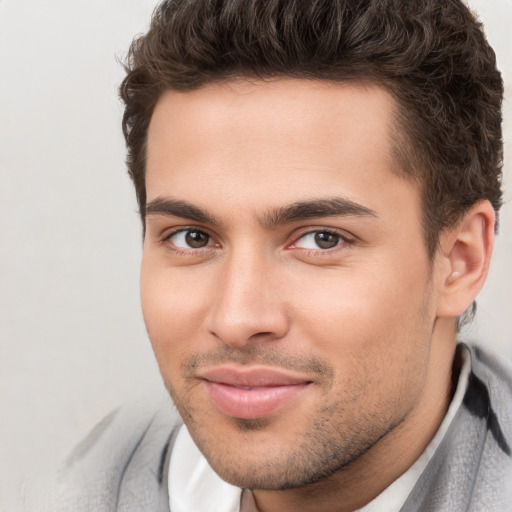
[122,466]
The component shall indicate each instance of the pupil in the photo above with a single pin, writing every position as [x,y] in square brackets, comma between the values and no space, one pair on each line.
[196,239]
[326,240]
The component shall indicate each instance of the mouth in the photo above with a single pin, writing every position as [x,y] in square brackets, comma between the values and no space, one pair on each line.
[251,393]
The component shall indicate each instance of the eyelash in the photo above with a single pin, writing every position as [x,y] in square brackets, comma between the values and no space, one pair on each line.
[344,242]
[166,240]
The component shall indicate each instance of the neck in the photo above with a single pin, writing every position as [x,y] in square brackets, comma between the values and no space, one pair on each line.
[358,483]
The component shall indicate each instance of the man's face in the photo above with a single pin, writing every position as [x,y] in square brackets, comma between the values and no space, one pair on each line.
[285,282]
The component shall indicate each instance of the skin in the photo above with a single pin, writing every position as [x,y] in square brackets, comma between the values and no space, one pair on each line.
[368,321]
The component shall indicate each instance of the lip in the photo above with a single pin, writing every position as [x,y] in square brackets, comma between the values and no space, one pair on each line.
[251,393]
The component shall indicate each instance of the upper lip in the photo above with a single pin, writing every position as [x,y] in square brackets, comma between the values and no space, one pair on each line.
[251,377]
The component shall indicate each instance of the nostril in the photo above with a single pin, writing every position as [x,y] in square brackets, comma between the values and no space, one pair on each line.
[261,334]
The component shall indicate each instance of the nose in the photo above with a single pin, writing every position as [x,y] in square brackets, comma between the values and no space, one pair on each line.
[248,303]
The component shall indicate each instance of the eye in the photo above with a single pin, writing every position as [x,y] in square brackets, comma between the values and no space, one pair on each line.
[315,240]
[189,239]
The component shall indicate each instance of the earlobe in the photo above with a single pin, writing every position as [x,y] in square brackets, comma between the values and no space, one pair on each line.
[466,254]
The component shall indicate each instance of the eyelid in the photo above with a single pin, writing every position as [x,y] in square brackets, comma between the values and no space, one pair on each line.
[169,232]
[166,238]
[346,239]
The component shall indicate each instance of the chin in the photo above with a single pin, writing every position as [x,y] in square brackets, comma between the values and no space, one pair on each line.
[272,475]
[267,464]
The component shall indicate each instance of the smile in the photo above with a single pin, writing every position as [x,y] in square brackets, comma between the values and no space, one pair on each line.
[253,393]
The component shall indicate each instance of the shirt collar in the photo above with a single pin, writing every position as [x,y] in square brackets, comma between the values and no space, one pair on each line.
[193,484]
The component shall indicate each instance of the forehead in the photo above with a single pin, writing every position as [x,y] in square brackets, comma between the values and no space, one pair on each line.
[258,111]
[256,140]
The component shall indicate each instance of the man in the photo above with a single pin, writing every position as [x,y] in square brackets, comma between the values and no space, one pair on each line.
[318,184]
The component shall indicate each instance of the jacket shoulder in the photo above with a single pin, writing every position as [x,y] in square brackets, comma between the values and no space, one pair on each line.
[495,372]
[119,466]
[493,487]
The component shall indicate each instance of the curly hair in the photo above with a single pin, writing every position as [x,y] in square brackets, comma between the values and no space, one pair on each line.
[431,55]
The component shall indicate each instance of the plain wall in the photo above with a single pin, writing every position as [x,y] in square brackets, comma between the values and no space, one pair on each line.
[72,339]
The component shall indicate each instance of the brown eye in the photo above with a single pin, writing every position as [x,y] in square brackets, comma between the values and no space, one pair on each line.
[190,239]
[196,239]
[326,240]
[320,240]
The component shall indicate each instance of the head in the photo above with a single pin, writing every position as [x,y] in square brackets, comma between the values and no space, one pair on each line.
[284,155]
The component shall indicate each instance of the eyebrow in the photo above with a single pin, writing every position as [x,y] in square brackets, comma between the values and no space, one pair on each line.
[183,209]
[300,210]
[315,208]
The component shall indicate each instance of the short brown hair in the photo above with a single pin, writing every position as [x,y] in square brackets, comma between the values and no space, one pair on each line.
[431,55]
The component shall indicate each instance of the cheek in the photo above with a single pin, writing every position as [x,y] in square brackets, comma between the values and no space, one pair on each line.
[378,351]
[370,322]
[173,305]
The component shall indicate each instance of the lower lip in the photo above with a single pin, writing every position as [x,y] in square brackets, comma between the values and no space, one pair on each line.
[251,403]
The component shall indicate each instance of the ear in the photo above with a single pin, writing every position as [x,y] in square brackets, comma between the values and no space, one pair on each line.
[465,253]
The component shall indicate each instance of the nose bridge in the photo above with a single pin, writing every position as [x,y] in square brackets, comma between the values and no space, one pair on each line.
[247,302]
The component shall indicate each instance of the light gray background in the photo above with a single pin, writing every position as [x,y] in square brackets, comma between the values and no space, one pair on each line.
[72,340]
